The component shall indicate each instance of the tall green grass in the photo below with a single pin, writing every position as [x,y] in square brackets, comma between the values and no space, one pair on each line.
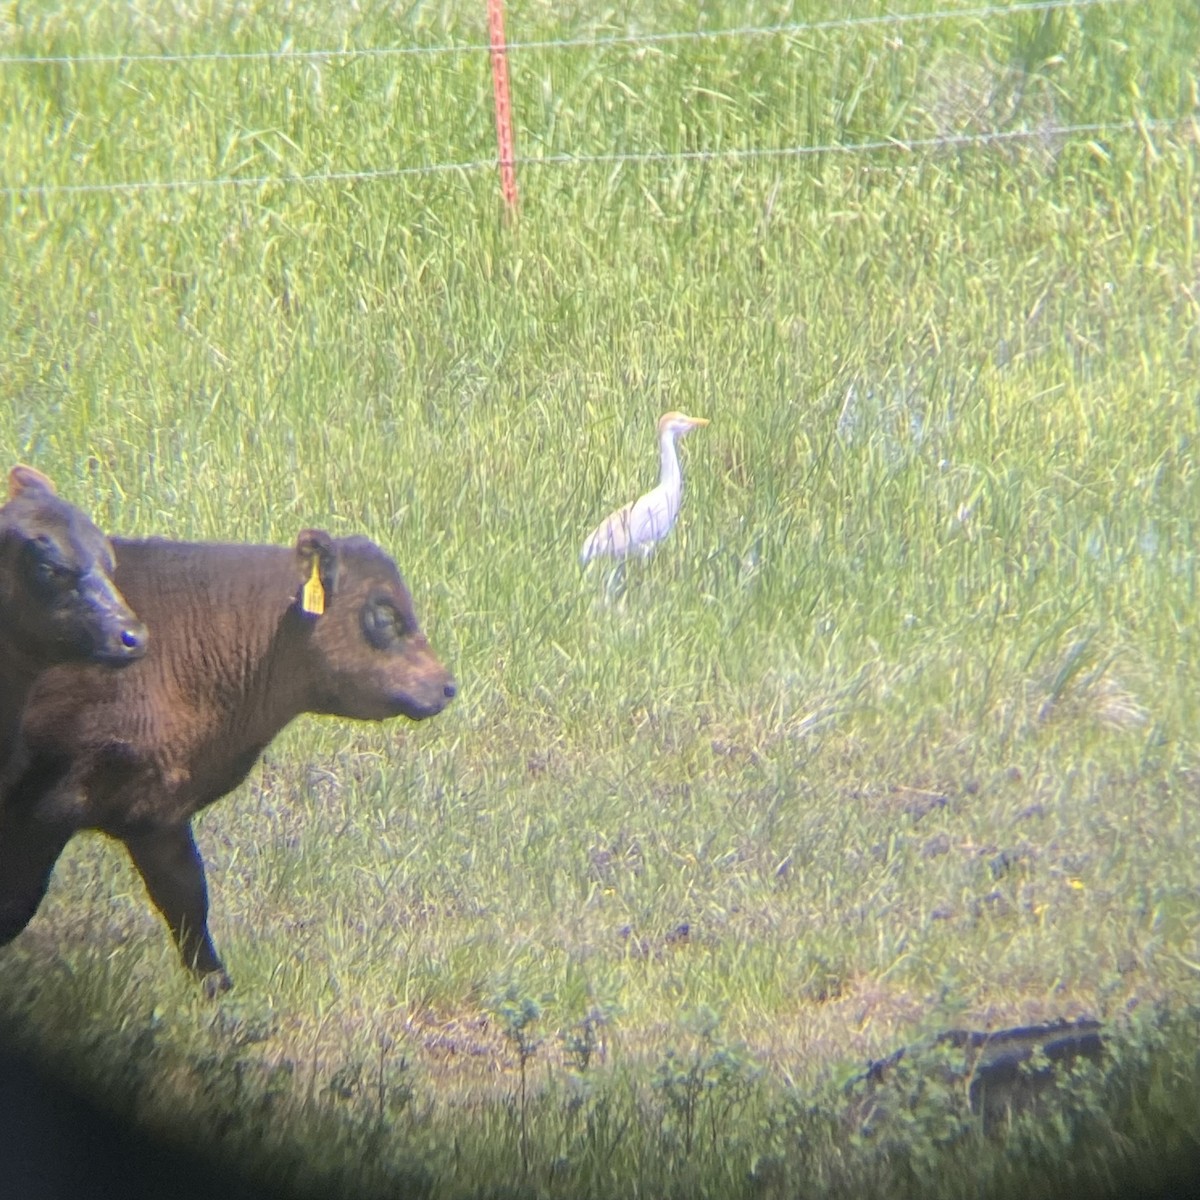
[895,733]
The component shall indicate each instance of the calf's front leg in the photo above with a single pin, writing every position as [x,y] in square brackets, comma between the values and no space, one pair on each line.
[28,851]
[173,872]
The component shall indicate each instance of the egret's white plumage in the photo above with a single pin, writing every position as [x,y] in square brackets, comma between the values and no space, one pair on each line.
[642,524]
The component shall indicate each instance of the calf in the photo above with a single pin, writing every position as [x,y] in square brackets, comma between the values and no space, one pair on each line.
[245,638]
[58,602]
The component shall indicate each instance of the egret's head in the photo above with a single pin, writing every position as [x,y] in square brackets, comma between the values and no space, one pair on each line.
[678,423]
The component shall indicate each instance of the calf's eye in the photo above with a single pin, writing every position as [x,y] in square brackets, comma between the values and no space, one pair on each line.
[45,567]
[381,624]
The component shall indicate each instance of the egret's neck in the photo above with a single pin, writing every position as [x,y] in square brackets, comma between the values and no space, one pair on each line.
[670,476]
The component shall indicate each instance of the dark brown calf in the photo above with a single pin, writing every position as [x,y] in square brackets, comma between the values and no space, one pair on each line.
[243,639]
[58,602]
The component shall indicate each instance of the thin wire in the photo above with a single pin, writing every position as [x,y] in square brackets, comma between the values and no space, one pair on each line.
[983,12]
[906,145]
[903,145]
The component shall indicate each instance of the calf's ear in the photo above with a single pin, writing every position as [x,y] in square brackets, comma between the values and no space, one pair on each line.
[317,560]
[23,479]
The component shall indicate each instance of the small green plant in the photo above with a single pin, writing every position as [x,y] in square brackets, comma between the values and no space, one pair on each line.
[583,1042]
[518,1013]
[921,1112]
[394,1089]
[702,1090]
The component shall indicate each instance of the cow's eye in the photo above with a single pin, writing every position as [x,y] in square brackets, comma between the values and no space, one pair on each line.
[381,623]
[45,566]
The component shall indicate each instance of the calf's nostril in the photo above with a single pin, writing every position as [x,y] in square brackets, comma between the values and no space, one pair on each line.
[449,691]
[131,639]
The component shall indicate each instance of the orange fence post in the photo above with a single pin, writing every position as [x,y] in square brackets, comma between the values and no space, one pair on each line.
[504,133]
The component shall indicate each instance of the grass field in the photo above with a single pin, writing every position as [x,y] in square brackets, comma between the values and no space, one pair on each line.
[896,734]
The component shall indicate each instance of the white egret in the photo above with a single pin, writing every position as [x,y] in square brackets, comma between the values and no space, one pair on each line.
[642,524]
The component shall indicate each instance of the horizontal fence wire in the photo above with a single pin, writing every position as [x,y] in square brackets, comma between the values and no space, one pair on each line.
[794,29]
[967,141]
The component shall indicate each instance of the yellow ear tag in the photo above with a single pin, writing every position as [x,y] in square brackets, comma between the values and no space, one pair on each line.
[312,599]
